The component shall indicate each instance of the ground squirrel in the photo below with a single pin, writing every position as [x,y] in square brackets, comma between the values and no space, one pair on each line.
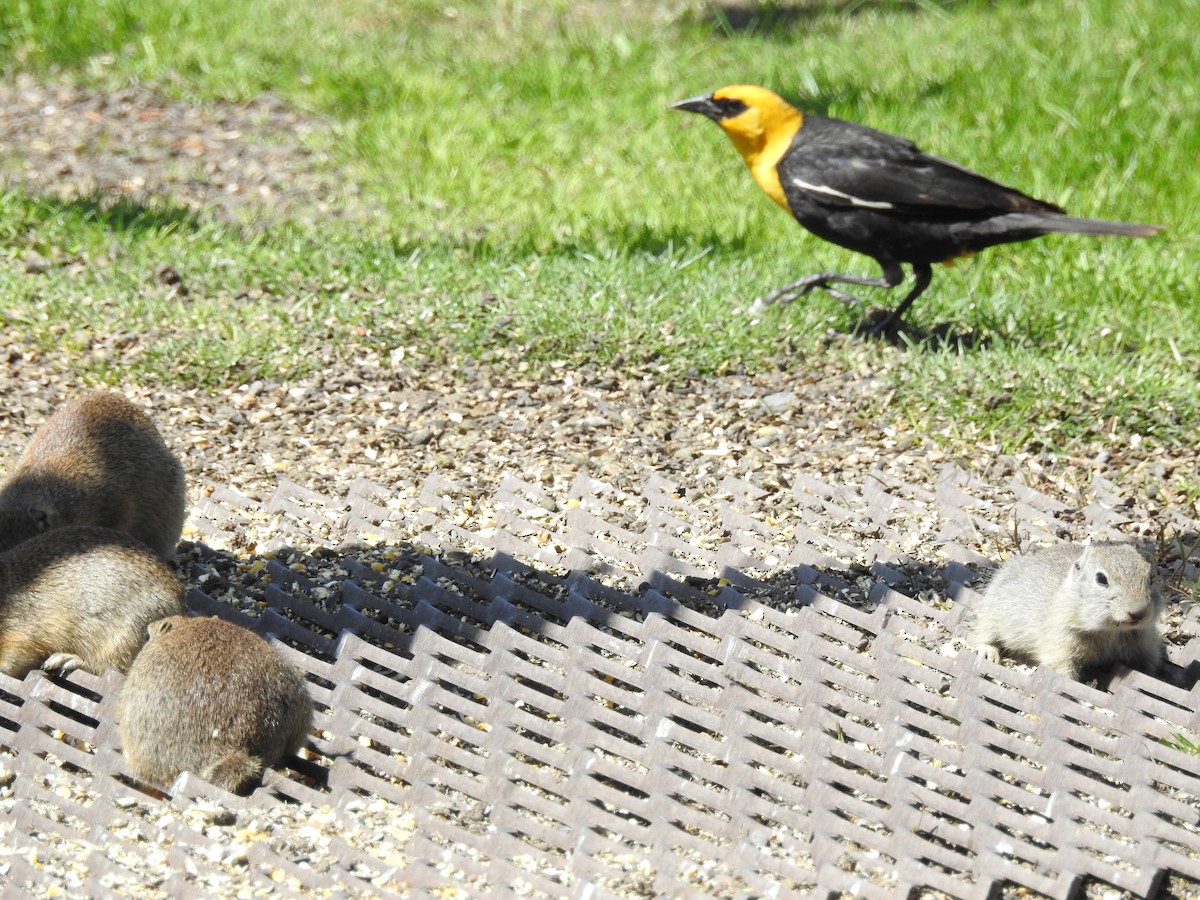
[80,597]
[212,698]
[1071,607]
[98,460]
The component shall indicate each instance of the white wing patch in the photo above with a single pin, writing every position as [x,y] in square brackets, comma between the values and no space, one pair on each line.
[832,192]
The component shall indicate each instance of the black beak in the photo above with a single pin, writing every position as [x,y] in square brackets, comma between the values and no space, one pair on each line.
[703,105]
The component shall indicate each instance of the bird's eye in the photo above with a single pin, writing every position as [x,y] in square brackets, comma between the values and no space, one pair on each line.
[730,107]
[1101,579]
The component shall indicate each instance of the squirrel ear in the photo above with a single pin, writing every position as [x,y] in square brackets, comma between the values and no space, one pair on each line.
[162,626]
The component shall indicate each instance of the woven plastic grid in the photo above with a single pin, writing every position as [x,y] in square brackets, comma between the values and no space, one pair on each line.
[610,711]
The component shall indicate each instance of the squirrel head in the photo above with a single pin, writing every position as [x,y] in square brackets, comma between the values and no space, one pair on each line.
[17,525]
[1112,587]
[162,626]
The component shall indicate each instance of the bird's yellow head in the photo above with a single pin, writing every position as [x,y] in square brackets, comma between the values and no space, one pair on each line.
[760,123]
[753,117]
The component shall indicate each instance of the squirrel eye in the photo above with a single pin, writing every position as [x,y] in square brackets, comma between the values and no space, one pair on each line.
[1101,579]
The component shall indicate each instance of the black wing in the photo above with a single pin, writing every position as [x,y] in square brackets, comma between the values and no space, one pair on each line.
[844,164]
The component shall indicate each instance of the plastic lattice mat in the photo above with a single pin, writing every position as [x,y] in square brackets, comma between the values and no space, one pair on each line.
[649,696]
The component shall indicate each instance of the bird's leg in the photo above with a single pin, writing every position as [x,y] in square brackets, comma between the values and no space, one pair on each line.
[922,275]
[892,276]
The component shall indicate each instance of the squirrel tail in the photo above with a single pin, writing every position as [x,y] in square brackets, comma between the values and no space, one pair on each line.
[236,771]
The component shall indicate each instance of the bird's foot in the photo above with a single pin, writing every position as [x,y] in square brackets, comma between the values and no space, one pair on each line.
[789,293]
[848,299]
[879,322]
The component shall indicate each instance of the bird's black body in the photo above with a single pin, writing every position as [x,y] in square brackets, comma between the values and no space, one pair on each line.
[885,198]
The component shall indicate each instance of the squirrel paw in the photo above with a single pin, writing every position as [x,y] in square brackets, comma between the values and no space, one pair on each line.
[1067,669]
[990,652]
[62,662]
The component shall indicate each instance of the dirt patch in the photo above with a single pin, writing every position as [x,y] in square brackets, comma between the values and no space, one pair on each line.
[235,161]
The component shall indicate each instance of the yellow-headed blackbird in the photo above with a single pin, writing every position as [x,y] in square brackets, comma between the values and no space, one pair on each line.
[877,193]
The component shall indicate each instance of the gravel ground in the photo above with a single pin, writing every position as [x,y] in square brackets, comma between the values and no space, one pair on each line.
[366,416]
[239,161]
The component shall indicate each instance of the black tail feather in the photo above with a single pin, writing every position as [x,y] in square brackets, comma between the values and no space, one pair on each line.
[1075,225]
[1023,226]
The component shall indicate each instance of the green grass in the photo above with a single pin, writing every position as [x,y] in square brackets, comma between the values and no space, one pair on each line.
[1180,741]
[534,192]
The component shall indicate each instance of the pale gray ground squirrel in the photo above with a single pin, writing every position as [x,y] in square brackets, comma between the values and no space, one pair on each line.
[80,597]
[98,460]
[210,697]
[1072,607]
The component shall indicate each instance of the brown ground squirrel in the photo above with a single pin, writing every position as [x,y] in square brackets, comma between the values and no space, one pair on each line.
[98,460]
[80,597]
[1072,607]
[210,697]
